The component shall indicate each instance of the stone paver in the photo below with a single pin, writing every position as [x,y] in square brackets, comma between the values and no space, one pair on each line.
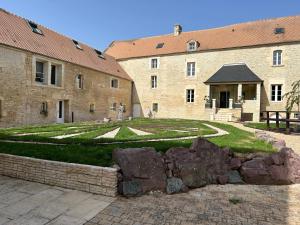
[292,140]
[273,205]
[139,132]
[110,134]
[28,203]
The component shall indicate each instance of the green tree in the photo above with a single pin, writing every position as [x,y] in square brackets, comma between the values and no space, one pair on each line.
[293,97]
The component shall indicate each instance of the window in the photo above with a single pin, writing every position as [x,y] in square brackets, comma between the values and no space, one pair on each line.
[114,83]
[79,81]
[77,44]
[276,93]
[277,58]
[190,95]
[100,54]
[154,63]
[1,108]
[155,107]
[153,81]
[53,74]
[192,46]
[44,108]
[279,30]
[113,106]
[92,108]
[296,115]
[160,45]
[35,28]
[39,74]
[191,66]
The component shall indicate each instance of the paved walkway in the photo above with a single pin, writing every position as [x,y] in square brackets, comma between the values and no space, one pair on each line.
[292,140]
[263,205]
[28,203]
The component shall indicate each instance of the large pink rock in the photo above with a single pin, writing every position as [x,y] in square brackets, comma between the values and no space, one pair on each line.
[142,170]
[204,163]
[279,168]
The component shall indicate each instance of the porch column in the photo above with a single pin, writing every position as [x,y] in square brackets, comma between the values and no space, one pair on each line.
[240,91]
[230,103]
[256,115]
[208,91]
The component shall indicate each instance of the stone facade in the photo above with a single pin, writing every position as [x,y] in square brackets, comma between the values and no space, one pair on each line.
[93,179]
[21,97]
[172,80]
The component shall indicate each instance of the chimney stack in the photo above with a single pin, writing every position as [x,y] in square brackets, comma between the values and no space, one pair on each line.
[177,29]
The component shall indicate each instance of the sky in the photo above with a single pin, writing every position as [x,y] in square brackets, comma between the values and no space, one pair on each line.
[99,22]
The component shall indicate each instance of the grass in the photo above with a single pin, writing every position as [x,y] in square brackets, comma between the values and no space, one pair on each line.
[84,149]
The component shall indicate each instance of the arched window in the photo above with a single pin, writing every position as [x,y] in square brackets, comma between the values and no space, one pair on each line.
[79,81]
[277,57]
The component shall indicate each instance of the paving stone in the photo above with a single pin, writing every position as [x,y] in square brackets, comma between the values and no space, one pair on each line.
[209,205]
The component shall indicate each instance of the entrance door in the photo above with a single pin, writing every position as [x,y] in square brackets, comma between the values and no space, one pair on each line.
[224,99]
[136,110]
[60,109]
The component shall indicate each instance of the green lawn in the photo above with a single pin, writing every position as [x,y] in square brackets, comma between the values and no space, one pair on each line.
[263,126]
[84,150]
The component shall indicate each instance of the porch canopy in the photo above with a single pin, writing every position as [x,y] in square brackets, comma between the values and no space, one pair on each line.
[234,73]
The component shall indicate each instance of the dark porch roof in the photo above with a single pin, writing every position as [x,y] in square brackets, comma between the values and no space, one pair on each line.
[234,73]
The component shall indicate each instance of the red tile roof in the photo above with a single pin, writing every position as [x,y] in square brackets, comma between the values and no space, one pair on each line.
[15,32]
[239,35]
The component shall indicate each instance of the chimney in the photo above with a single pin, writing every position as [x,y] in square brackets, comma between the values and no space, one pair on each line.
[177,29]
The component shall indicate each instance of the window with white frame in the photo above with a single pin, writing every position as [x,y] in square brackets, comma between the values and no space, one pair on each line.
[153,81]
[114,83]
[154,63]
[277,58]
[276,92]
[191,69]
[79,81]
[155,107]
[190,95]
[39,72]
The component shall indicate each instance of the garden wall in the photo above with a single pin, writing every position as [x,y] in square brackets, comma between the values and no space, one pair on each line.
[93,179]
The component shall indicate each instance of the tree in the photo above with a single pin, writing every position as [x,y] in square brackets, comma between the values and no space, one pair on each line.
[293,97]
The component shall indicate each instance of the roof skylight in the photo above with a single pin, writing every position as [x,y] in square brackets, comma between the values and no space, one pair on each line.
[99,53]
[77,44]
[160,45]
[35,28]
[279,30]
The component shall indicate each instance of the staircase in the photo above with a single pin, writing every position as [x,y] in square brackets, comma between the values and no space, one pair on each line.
[223,115]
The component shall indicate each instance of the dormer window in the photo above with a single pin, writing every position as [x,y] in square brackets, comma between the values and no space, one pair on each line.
[77,44]
[192,46]
[100,54]
[35,28]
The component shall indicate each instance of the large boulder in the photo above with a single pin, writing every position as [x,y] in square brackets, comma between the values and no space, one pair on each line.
[204,163]
[142,170]
[278,168]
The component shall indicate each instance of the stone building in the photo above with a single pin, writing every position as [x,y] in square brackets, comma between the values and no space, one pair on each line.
[46,77]
[228,73]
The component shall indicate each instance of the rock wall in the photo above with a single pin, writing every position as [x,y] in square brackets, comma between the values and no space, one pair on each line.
[93,179]
[143,169]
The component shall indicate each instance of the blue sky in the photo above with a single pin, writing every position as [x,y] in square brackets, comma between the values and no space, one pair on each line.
[98,22]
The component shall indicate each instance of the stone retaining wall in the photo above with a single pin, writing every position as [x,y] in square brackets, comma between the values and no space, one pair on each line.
[93,179]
